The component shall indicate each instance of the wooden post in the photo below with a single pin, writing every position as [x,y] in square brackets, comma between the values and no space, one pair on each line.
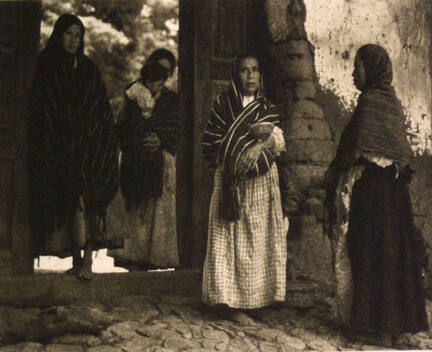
[19,44]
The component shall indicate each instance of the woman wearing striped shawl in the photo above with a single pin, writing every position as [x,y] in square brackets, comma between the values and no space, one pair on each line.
[377,247]
[246,251]
[148,173]
[73,171]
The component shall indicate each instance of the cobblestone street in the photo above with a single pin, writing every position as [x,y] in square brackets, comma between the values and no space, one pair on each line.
[167,323]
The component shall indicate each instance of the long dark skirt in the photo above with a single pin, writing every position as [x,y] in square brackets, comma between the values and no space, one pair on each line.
[385,260]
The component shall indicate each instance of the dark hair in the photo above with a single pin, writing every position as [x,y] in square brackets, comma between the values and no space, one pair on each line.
[160,54]
[237,65]
[239,59]
[153,72]
[377,65]
[54,46]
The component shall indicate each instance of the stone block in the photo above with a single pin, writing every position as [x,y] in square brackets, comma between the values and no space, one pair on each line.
[268,347]
[293,60]
[180,343]
[298,68]
[296,48]
[317,193]
[309,250]
[263,334]
[58,321]
[289,26]
[304,334]
[63,348]
[306,129]
[302,294]
[308,151]
[321,344]
[138,311]
[298,224]
[305,90]
[24,347]
[87,340]
[303,109]
[137,344]
[216,336]
[44,290]
[105,349]
[277,24]
[304,176]
[315,207]
[290,343]
[290,207]
[125,330]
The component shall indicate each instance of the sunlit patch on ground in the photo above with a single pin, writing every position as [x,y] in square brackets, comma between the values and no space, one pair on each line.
[101,263]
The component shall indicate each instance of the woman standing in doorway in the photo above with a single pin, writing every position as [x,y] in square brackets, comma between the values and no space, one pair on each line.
[148,173]
[381,289]
[246,251]
[73,171]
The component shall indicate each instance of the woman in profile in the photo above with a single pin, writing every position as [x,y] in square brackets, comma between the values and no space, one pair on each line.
[245,263]
[378,258]
[73,153]
[149,134]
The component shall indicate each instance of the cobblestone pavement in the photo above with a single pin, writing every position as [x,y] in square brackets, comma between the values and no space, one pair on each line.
[167,323]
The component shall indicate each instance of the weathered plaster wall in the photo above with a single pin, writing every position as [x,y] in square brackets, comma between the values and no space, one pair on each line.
[338,28]
[308,139]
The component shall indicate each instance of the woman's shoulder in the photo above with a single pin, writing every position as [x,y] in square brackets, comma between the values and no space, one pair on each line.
[268,105]
[168,96]
[137,89]
[168,93]
[88,63]
[222,97]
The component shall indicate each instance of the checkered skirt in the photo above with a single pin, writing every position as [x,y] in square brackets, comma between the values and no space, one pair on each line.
[245,265]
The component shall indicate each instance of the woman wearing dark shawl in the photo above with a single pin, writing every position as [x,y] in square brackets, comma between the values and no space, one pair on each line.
[148,175]
[246,251]
[377,253]
[73,157]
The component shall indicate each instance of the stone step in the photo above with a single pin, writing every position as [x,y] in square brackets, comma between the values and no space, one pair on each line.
[55,289]
[59,289]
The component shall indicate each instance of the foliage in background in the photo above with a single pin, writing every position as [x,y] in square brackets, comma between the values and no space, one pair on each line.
[120,34]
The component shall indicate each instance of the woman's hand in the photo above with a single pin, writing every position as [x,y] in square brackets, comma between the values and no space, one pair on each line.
[249,159]
[261,130]
[151,141]
[157,94]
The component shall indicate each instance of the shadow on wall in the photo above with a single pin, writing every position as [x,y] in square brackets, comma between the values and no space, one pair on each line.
[335,113]
[337,117]
[421,194]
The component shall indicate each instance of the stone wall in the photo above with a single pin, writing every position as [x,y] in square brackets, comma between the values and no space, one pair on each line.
[312,60]
[337,29]
[19,37]
[308,139]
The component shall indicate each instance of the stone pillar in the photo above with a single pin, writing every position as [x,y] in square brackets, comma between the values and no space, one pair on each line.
[309,145]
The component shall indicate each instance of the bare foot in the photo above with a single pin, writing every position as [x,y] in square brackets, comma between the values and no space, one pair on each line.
[74,270]
[256,314]
[242,318]
[85,274]
[385,340]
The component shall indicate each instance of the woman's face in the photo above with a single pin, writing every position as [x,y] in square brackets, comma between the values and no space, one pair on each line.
[72,38]
[155,87]
[359,73]
[165,63]
[249,75]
